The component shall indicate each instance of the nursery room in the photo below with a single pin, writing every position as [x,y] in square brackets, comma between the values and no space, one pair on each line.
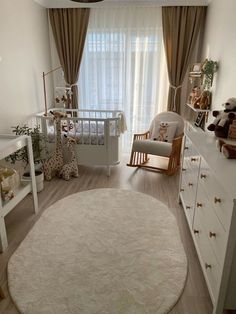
[117,157]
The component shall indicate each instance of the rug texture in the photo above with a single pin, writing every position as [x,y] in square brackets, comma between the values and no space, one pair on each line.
[101,251]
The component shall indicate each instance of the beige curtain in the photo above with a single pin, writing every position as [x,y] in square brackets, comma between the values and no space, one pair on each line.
[69,28]
[181,27]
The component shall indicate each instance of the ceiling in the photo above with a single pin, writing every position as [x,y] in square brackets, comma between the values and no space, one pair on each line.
[70,4]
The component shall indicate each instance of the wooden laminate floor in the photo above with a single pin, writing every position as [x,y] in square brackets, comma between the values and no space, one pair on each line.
[195,298]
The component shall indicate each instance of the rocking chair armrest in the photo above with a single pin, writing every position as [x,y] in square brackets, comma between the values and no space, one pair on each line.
[141,136]
[176,144]
[177,139]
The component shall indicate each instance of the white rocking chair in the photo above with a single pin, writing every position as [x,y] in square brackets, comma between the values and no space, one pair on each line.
[167,154]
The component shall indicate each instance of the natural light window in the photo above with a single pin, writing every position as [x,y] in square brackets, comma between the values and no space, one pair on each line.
[121,64]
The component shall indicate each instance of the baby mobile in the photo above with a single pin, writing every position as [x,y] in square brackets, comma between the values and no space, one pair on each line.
[64,96]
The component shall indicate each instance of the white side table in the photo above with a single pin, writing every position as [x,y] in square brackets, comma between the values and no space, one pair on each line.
[8,145]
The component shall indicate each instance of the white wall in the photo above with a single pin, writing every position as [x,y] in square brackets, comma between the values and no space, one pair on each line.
[220,45]
[25,53]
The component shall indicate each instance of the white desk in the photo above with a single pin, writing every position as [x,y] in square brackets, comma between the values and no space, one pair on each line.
[8,145]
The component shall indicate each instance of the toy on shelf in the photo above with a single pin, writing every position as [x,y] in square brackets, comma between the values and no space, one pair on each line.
[201,75]
[54,164]
[203,101]
[223,119]
[70,168]
[195,94]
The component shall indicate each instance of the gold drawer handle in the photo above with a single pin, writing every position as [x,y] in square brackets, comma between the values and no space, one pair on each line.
[207,266]
[181,190]
[212,234]
[199,204]
[193,159]
[190,184]
[195,231]
[217,200]
[188,207]
[203,176]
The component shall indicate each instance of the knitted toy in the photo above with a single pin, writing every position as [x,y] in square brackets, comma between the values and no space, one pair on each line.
[70,168]
[203,101]
[55,163]
[228,150]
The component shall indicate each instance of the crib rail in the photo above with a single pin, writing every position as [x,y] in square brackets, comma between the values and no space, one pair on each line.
[88,127]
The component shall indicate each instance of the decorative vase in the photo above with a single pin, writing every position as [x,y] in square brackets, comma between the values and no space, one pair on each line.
[39,178]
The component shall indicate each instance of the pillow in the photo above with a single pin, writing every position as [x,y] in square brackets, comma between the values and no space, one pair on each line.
[164,131]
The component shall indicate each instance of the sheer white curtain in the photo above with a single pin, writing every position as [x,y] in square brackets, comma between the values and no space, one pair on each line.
[123,65]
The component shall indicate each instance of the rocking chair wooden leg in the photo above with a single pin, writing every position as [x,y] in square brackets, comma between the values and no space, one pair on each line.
[137,159]
[2,295]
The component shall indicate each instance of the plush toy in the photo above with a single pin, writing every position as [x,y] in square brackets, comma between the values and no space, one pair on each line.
[162,132]
[230,105]
[223,119]
[228,150]
[203,101]
[55,163]
[71,168]
[195,93]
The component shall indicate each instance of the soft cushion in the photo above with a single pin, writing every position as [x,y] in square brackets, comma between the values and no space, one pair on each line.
[164,131]
[168,116]
[152,147]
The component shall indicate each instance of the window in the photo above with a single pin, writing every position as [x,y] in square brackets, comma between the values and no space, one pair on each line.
[120,68]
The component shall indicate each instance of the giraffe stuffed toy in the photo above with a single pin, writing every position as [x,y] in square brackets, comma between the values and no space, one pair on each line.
[71,167]
[55,163]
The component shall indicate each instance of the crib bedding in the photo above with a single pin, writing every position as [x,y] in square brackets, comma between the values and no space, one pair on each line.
[85,132]
[81,138]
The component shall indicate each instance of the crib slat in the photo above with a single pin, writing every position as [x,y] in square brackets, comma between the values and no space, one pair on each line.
[89,132]
[97,132]
[82,131]
[75,124]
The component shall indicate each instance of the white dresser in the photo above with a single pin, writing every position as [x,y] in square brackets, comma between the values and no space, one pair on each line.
[208,196]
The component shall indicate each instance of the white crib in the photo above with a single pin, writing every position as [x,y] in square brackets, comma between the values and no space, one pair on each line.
[97,134]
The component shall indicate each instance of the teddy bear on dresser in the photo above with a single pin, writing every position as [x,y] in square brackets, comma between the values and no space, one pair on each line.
[223,119]
[228,150]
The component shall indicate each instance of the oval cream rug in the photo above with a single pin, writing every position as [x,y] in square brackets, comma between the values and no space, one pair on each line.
[101,251]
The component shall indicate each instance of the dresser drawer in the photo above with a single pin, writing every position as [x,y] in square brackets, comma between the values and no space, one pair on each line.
[215,195]
[212,228]
[188,194]
[189,150]
[211,269]
[188,199]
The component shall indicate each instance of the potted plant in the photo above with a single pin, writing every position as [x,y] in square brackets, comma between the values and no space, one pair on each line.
[209,67]
[39,152]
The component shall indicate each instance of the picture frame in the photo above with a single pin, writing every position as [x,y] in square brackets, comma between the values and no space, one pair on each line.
[200,118]
[196,68]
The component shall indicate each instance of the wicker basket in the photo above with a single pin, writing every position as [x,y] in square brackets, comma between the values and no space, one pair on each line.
[10,182]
